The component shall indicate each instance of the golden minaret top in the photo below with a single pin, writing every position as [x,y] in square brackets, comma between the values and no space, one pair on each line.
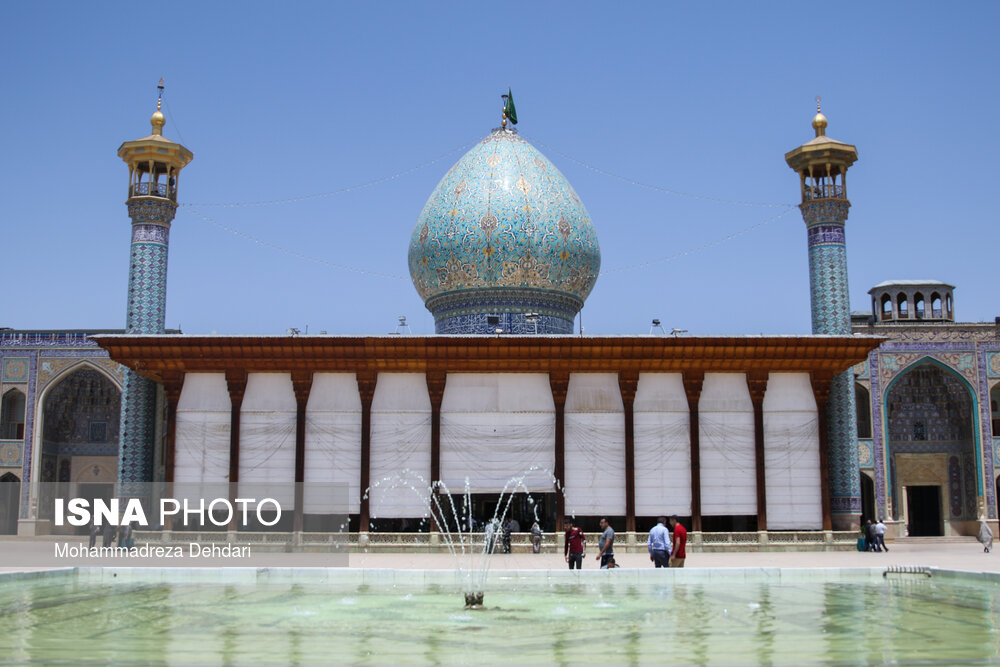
[819,120]
[157,120]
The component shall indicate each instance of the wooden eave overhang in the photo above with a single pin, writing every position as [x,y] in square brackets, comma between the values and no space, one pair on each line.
[153,356]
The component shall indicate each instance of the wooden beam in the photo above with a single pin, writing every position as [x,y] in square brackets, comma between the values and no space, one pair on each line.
[435,391]
[821,390]
[693,381]
[172,384]
[628,382]
[366,388]
[236,383]
[301,385]
[757,382]
[152,355]
[559,383]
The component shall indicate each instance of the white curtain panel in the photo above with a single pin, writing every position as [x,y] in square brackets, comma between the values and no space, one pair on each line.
[267,439]
[201,442]
[726,440]
[333,444]
[662,446]
[495,429]
[400,442]
[791,454]
[595,445]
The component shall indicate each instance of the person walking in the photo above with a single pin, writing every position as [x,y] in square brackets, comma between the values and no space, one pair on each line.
[880,536]
[94,531]
[606,542]
[869,534]
[576,542]
[678,553]
[985,535]
[658,544]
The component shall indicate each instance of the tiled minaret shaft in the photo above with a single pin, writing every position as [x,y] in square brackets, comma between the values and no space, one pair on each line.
[822,165]
[154,169]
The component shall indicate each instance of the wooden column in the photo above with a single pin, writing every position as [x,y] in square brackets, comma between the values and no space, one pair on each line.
[435,390]
[236,382]
[366,387]
[173,381]
[301,384]
[757,381]
[559,383]
[821,390]
[628,382]
[693,381]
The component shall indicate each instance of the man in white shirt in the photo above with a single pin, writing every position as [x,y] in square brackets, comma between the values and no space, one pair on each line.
[880,536]
[658,543]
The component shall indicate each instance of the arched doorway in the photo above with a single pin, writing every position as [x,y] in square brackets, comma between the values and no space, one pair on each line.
[930,424]
[12,416]
[867,499]
[10,503]
[80,424]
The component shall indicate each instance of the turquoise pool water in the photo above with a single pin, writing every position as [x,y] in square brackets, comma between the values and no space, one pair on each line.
[893,620]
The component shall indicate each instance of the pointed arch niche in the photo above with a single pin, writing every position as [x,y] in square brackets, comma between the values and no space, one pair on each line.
[932,448]
[12,415]
[76,449]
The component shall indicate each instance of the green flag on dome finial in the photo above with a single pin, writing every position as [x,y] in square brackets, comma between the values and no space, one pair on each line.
[508,107]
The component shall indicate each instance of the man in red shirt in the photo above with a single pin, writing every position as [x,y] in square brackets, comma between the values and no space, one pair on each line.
[575,544]
[677,556]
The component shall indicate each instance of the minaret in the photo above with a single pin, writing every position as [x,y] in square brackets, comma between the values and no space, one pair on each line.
[822,165]
[154,166]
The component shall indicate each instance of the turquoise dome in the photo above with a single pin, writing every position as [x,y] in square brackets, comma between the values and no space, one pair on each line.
[504,234]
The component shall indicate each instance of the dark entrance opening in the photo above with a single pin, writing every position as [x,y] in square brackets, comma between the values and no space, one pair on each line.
[94,492]
[923,510]
[10,503]
[524,508]
[868,499]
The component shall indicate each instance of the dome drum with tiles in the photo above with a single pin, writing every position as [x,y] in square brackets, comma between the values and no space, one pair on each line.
[502,236]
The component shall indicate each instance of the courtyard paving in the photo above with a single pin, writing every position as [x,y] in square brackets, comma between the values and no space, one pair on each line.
[18,553]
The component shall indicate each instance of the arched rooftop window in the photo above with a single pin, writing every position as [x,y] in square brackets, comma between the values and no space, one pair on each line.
[936,305]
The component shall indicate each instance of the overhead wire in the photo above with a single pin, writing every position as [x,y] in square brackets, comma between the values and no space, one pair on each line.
[193,207]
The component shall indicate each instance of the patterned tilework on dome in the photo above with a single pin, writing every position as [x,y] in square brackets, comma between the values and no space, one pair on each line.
[504,234]
[831,314]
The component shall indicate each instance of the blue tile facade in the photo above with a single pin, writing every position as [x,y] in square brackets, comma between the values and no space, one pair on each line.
[962,350]
[147,298]
[831,314]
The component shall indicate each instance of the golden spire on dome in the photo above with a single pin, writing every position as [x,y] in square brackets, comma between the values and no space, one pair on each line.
[819,120]
[157,120]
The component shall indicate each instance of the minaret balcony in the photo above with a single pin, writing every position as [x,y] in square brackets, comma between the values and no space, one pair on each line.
[823,191]
[161,190]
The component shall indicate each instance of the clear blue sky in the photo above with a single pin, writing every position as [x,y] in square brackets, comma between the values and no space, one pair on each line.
[280,100]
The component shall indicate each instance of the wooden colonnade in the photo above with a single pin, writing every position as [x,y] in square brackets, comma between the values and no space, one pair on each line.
[166,359]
